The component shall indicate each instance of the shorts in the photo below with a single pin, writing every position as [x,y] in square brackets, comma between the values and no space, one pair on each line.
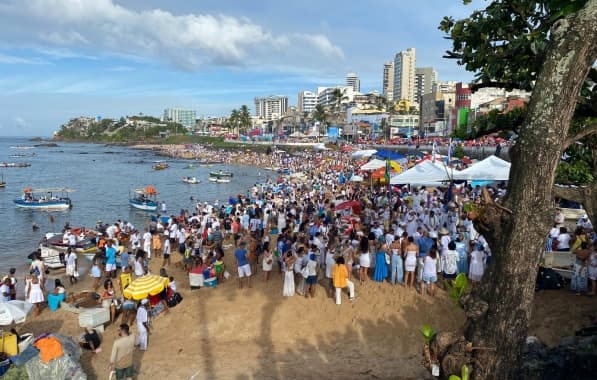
[312,280]
[166,255]
[110,267]
[244,271]
[429,278]
[125,373]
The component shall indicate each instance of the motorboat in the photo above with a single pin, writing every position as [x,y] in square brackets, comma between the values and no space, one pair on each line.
[160,165]
[144,199]
[221,173]
[219,179]
[2,183]
[45,199]
[191,180]
[85,241]
[14,164]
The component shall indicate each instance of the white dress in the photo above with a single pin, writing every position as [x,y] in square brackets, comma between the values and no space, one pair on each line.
[265,265]
[288,290]
[36,295]
[365,260]
[477,267]
[410,263]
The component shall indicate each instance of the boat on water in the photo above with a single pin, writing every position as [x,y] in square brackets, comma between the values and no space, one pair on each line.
[22,147]
[14,164]
[85,241]
[221,173]
[191,180]
[160,165]
[219,179]
[2,183]
[144,199]
[45,199]
[190,166]
[52,258]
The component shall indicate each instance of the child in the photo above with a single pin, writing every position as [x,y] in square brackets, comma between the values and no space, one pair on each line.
[172,284]
[96,273]
[156,241]
[166,252]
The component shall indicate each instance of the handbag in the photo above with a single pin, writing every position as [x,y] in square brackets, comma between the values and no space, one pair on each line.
[305,272]
[387,258]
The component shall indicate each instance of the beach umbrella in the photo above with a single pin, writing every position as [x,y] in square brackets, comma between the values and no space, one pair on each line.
[14,312]
[356,178]
[145,286]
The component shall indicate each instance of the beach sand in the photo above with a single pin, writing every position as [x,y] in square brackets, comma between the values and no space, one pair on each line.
[227,333]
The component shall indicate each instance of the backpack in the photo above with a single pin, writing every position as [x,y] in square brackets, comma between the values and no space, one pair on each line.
[549,279]
[174,300]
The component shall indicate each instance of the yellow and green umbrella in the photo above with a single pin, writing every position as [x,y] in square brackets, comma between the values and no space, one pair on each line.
[145,286]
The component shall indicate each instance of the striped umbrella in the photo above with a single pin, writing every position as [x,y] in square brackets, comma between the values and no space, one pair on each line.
[145,286]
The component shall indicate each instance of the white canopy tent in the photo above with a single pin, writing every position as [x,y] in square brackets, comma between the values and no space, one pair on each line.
[490,169]
[425,173]
[373,165]
[362,154]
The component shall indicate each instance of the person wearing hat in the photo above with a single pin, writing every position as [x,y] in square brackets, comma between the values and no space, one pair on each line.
[142,321]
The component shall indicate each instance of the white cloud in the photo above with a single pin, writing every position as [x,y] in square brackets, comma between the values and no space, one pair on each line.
[14,60]
[189,41]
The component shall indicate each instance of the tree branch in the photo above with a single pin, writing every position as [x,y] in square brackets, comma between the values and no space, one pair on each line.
[586,131]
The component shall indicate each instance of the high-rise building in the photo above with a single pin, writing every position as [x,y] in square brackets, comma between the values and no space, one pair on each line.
[326,96]
[387,83]
[425,80]
[404,75]
[352,80]
[307,100]
[184,117]
[271,107]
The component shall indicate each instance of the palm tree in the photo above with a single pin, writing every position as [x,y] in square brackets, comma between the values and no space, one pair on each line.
[234,120]
[320,115]
[244,117]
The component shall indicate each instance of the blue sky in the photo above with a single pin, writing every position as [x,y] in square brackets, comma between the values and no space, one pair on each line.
[65,58]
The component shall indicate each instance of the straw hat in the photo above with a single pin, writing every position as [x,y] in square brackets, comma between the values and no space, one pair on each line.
[443,231]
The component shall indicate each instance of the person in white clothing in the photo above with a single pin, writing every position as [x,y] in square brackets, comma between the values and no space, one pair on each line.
[142,325]
[71,265]
[429,272]
[147,242]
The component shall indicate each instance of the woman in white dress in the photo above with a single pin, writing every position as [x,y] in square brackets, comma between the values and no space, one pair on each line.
[410,262]
[267,263]
[477,266]
[35,294]
[288,290]
[364,258]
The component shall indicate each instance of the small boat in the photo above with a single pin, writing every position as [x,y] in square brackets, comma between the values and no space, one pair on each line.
[45,199]
[85,241]
[21,155]
[190,166]
[219,179]
[191,180]
[22,147]
[221,173]
[52,257]
[2,183]
[144,199]
[160,165]
[14,164]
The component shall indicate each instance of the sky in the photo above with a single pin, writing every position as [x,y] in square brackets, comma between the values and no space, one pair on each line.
[61,59]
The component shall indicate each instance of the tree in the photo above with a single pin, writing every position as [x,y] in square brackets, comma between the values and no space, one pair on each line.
[548,47]
[234,120]
[244,117]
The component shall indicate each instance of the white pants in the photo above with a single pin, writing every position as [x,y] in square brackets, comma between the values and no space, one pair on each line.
[142,338]
[147,249]
[350,286]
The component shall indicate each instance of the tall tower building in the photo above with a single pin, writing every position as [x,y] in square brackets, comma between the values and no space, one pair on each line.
[425,80]
[271,107]
[404,75]
[387,83]
[352,80]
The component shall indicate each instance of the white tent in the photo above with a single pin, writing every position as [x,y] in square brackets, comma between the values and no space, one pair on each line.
[14,312]
[425,173]
[363,153]
[356,178]
[490,169]
[373,165]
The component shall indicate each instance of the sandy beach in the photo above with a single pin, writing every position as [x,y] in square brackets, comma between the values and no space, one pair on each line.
[227,333]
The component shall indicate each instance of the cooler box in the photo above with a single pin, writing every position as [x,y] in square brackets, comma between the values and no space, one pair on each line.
[8,343]
[211,283]
[94,317]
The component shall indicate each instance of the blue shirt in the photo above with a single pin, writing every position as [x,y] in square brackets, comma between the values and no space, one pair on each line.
[124,259]
[111,255]
[241,256]
[425,245]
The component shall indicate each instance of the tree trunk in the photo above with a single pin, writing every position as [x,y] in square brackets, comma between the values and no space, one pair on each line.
[506,293]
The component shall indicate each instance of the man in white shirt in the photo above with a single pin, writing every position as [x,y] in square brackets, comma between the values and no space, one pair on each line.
[147,242]
[142,325]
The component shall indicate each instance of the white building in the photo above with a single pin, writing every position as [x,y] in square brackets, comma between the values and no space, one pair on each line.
[325,95]
[404,75]
[271,107]
[307,100]
[187,118]
[387,83]
[352,80]
[487,94]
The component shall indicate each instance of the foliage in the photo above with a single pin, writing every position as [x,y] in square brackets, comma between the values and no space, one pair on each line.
[464,375]
[457,287]
[240,119]
[577,173]
[459,151]
[428,333]
[320,114]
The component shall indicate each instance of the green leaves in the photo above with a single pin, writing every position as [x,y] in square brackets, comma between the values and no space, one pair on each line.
[428,333]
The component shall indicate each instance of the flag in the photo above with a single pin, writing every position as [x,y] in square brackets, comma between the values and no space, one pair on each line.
[387,173]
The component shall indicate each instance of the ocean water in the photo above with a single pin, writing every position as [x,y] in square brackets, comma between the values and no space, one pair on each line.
[101,177]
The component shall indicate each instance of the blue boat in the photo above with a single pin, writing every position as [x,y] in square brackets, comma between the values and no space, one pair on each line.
[45,199]
[144,199]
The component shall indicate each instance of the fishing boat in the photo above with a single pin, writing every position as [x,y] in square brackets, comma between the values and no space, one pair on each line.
[219,179]
[2,183]
[191,180]
[85,241]
[45,199]
[144,199]
[14,164]
[221,173]
[160,165]
[190,166]
[52,257]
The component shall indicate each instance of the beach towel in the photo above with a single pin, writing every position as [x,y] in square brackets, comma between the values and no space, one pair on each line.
[49,348]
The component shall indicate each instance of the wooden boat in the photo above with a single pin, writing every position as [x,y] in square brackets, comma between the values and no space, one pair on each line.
[14,164]
[221,173]
[144,199]
[52,257]
[2,183]
[45,199]
[219,179]
[85,242]
[160,165]
[191,180]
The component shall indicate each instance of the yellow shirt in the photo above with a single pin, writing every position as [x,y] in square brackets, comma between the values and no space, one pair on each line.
[340,275]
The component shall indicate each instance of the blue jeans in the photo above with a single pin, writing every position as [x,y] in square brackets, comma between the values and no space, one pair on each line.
[396,269]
